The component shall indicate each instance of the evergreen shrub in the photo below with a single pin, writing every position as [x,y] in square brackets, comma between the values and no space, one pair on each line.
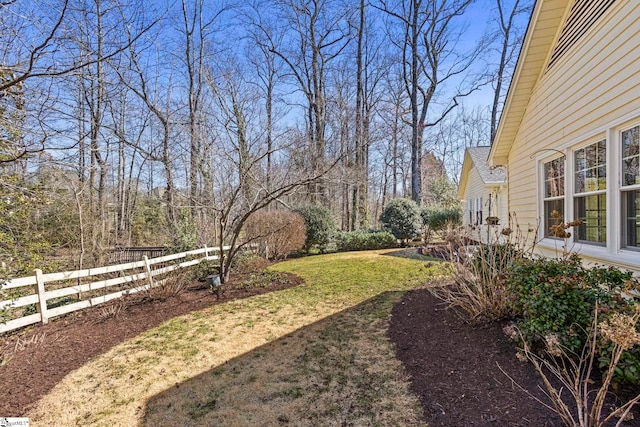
[365,240]
[402,218]
[320,225]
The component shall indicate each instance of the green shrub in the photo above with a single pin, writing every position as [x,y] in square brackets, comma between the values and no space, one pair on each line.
[558,296]
[203,269]
[402,218]
[364,240]
[628,368]
[555,300]
[438,218]
[320,226]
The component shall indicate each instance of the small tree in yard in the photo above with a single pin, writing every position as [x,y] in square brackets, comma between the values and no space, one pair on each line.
[402,218]
[320,226]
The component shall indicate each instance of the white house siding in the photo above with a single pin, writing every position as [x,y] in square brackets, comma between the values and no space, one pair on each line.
[593,88]
[473,191]
[477,190]
[503,205]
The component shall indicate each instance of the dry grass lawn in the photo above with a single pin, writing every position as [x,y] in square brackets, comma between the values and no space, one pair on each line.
[312,355]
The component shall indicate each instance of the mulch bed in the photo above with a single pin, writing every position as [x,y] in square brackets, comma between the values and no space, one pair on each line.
[40,356]
[454,368]
[459,370]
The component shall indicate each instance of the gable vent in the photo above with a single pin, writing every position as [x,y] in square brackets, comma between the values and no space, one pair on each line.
[583,14]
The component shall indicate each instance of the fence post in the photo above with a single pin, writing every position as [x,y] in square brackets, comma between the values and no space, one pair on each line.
[206,251]
[41,306]
[147,267]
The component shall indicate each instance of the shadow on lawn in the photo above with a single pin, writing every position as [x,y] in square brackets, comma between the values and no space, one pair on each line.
[340,370]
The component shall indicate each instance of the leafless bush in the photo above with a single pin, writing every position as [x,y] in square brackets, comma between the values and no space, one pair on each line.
[173,283]
[4,359]
[22,343]
[277,232]
[169,284]
[583,404]
[480,262]
[112,309]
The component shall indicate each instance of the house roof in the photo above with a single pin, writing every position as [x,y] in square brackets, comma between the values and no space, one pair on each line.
[544,28]
[476,157]
[479,156]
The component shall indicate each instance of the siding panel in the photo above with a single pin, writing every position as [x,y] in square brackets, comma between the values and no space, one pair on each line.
[595,83]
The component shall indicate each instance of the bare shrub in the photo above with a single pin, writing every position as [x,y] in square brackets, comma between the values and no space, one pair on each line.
[22,343]
[170,284]
[277,232]
[113,309]
[249,263]
[174,283]
[583,404]
[478,287]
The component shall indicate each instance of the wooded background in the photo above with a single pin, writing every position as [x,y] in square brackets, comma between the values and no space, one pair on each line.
[150,123]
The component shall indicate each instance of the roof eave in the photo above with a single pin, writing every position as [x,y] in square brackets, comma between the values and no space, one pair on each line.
[526,74]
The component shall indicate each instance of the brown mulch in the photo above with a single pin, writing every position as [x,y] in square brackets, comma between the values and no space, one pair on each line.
[40,356]
[454,368]
[459,370]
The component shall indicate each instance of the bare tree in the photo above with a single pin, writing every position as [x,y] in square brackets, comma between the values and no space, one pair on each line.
[155,93]
[371,67]
[509,36]
[427,41]
[41,55]
[92,43]
[359,197]
[240,152]
[318,34]
[197,29]
[268,69]
[130,124]
[392,110]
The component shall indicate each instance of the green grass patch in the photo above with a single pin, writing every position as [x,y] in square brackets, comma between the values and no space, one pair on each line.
[309,355]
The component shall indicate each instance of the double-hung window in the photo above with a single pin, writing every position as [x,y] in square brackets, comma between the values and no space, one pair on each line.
[553,193]
[590,199]
[630,194]
[599,184]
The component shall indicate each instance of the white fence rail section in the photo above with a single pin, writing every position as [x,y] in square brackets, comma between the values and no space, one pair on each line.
[40,296]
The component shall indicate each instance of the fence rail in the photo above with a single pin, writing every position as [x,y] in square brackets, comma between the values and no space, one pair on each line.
[138,271]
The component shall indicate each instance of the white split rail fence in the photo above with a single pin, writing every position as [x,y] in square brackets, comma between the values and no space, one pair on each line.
[41,295]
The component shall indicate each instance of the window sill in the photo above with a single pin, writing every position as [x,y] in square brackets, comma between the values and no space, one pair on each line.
[628,259]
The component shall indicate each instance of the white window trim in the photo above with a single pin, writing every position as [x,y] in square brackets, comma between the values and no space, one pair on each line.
[614,208]
[617,135]
[570,187]
[624,257]
[541,180]
[614,251]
